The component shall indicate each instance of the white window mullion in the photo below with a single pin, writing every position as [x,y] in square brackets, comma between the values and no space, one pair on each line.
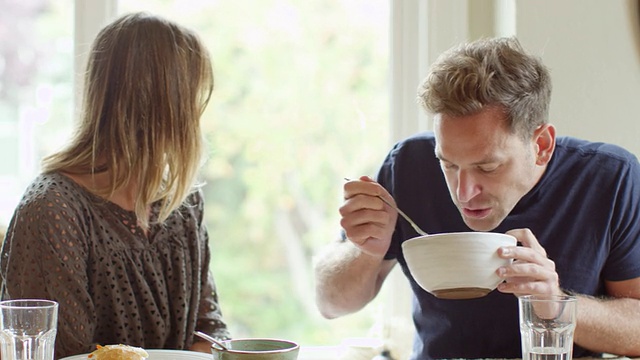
[90,17]
[407,43]
[420,31]
[408,49]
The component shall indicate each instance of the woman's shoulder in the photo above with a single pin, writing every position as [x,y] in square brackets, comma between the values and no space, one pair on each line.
[193,204]
[51,191]
[51,184]
[53,207]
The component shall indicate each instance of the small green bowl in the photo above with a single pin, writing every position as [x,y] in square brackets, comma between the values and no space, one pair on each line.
[256,349]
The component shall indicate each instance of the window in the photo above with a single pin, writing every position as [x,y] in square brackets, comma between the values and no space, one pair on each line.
[36,90]
[300,103]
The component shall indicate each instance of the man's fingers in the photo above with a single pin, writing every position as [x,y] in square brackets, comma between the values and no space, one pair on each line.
[527,239]
[524,270]
[525,254]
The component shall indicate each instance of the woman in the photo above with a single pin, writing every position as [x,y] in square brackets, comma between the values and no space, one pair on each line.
[113,227]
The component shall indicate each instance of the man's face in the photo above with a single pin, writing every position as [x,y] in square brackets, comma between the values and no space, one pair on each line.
[488,168]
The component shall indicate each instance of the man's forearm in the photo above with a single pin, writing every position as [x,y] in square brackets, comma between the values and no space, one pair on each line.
[346,279]
[609,325]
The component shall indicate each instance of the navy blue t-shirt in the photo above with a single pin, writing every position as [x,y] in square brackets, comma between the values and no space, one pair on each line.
[585,212]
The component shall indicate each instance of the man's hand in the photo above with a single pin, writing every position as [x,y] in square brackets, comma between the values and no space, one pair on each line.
[367,221]
[608,325]
[349,274]
[531,271]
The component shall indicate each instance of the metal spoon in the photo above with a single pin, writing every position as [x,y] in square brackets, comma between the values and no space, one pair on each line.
[210,339]
[405,216]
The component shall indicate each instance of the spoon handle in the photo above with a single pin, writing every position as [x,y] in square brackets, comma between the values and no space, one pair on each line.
[214,343]
[405,216]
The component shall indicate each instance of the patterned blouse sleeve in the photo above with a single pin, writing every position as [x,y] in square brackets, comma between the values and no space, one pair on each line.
[45,256]
[210,319]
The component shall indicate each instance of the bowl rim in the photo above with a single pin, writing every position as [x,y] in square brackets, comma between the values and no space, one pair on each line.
[501,236]
[295,346]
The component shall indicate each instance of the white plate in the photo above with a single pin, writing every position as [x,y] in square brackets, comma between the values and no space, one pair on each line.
[161,355]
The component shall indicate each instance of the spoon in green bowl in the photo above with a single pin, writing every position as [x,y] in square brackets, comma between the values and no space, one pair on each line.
[211,340]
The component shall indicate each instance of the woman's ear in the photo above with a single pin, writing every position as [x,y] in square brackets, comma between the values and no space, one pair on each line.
[545,139]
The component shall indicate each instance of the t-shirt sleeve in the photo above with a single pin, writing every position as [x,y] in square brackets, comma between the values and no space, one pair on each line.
[624,258]
[385,178]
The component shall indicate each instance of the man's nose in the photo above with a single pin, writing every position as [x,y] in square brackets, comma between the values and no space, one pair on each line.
[468,187]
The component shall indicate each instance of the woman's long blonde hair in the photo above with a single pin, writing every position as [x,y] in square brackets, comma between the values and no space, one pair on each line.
[147,84]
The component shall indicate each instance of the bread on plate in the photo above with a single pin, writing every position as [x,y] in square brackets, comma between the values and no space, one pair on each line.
[118,352]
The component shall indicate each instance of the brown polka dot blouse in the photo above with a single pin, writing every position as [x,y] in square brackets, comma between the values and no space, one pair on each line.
[114,284]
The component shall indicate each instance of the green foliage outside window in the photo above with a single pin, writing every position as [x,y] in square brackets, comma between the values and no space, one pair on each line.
[301,102]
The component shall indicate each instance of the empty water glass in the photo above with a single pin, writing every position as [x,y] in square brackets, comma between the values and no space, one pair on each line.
[28,329]
[547,324]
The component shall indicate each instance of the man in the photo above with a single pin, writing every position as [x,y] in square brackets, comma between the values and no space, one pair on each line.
[493,163]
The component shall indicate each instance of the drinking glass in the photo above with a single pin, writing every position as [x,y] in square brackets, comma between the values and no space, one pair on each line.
[547,323]
[28,329]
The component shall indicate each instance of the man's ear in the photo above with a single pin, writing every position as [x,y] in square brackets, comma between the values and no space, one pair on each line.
[544,138]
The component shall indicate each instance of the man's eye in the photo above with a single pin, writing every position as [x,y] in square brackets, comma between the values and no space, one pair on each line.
[488,169]
[448,166]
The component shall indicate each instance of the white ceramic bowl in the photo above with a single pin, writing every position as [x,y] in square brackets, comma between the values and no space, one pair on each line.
[457,265]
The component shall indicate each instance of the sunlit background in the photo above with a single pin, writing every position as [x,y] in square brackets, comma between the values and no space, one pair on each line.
[301,100]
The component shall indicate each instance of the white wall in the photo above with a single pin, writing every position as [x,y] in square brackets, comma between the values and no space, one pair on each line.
[593,50]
